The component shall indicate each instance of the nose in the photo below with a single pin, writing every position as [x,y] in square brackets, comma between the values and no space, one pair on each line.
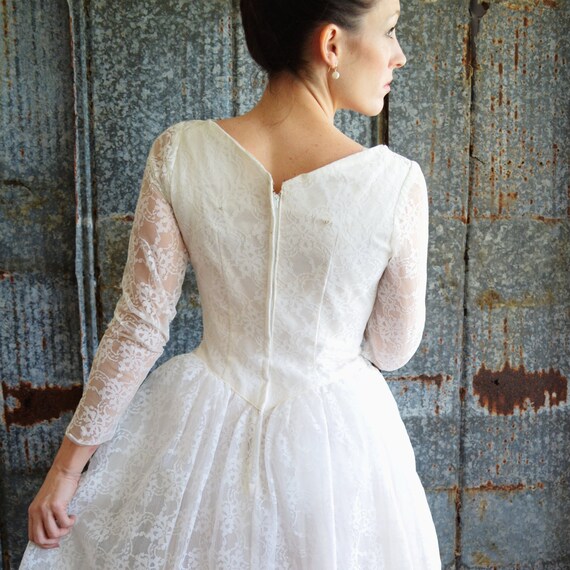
[398,57]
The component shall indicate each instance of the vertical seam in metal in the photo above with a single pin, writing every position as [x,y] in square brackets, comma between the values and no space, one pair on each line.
[476,12]
[84,230]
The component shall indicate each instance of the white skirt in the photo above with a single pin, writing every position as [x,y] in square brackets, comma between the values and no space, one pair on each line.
[336,485]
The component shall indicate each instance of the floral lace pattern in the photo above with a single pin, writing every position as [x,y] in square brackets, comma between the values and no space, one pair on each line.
[152,282]
[275,444]
[397,322]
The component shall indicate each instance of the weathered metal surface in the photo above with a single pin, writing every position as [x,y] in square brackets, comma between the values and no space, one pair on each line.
[485,398]
[181,59]
[428,120]
[516,419]
[84,234]
[40,371]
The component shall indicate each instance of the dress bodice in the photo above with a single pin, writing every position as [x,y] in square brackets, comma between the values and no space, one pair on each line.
[293,286]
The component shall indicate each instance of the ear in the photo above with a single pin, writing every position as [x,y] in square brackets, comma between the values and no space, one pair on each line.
[329,42]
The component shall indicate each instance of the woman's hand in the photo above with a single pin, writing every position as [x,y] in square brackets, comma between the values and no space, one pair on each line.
[48,519]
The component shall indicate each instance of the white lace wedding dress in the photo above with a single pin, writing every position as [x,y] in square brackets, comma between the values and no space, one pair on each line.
[276,444]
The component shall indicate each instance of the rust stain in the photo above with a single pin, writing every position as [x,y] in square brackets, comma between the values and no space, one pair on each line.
[38,403]
[546,220]
[503,198]
[491,299]
[462,217]
[123,217]
[6,275]
[526,5]
[436,379]
[6,29]
[483,505]
[490,486]
[482,559]
[555,150]
[504,390]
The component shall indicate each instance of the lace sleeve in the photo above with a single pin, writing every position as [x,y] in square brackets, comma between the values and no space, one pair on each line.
[151,286]
[395,327]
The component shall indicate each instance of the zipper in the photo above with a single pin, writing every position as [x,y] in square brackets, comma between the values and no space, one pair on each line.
[254,475]
[276,209]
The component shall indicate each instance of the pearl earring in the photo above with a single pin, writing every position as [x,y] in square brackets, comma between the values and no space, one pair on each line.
[335,74]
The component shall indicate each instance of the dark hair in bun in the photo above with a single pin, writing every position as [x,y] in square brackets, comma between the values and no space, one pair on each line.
[276,31]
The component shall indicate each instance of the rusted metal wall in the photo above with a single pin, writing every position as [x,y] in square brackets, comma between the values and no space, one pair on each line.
[483,106]
[40,362]
[515,420]
[485,109]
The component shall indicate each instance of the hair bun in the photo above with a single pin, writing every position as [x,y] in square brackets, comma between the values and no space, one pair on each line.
[277,31]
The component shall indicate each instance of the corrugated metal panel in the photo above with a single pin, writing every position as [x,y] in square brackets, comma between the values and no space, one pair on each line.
[517,338]
[429,122]
[39,330]
[485,398]
[180,62]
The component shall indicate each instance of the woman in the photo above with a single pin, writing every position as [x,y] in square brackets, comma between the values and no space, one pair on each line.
[276,443]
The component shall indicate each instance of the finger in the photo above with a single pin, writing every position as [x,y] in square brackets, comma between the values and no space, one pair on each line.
[50,526]
[63,520]
[50,545]
[40,538]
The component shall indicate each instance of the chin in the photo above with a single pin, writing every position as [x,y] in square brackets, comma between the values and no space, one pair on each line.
[373,110]
[370,108]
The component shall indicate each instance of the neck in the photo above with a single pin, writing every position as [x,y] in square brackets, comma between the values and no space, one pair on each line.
[296,98]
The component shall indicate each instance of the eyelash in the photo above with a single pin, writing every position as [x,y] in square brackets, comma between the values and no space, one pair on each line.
[391,33]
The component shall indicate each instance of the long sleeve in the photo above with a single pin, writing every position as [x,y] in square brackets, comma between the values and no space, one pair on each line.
[395,327]
[151,285]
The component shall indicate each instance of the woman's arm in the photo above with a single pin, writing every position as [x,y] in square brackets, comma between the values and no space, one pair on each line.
[135,338]
[396,324]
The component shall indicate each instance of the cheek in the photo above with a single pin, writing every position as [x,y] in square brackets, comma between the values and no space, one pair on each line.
[376,61]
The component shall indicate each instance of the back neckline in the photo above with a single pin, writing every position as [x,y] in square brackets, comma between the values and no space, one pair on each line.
[309,173]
